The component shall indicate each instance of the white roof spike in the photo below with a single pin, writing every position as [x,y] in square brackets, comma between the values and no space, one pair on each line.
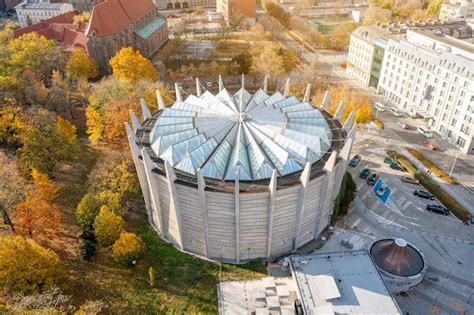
[221,83]
[179,98]
[198,88]
[243,81]
[145,111]
[307,94]
[287,88]
[349,122]
[161,103]
[135,123]
[241,101]
[339,111]
[325,102]
[265,84]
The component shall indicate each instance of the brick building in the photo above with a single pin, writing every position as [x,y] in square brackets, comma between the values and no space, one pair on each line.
[124,23]
[230,7]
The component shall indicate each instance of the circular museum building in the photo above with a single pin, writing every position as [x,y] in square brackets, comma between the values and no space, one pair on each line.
[239,176]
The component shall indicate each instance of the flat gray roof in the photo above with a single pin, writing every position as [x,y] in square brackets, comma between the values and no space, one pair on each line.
[341,283]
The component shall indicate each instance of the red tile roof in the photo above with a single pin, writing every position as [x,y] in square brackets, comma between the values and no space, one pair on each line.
[60,29]
[111,16]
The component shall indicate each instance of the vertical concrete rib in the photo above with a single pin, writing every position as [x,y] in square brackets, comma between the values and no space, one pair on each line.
[174,203]
[237,212]
[145,111]
[155,212]
[202,197]
[271,210]
[304,180]
[325,188]
[134,119]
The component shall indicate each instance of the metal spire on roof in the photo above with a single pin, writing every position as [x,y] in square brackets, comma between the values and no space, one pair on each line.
[179,98]
[243,81]
[325,102]
[133,118]
[287,88]
[145,111]
[198,87]
[161,103]
[307,94]
[265,84]
[221,83]
[339,111]
[349,122]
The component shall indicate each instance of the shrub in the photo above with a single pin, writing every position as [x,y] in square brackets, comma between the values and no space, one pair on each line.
[128,248]
[378,122]
[87,210]
[107,227]
[28,267]
[400,159]
[346,194]
[431,166]
[88,249]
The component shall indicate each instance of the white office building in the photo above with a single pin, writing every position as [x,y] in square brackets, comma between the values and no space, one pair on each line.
[433,77]
[457,10]
[34,12]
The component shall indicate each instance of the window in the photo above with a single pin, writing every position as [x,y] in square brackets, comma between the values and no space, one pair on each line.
[461,142]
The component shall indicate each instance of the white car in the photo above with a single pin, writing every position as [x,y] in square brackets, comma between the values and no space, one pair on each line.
[209,84]
[395,112]
[379,106]
[425,132]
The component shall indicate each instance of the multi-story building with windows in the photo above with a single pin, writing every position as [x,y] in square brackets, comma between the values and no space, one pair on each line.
[30,12]
[457,10]
[184,4]
[433,76]
[230,7]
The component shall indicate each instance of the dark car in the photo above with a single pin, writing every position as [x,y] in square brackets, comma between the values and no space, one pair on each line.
[437,209]
[423,194]
[372,179]
[355,160]
[364,173]
[396,166]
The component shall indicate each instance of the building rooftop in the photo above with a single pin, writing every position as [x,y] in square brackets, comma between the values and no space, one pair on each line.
[341,283]
[41,5]
[250,134]
[111,16]
[257,296]
[154,25]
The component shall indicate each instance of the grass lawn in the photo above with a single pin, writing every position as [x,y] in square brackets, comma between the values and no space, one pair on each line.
[184,284]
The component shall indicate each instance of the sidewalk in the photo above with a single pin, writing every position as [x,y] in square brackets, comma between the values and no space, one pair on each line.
[456,191]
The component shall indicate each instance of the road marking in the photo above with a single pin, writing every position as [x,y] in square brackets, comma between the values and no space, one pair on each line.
[411,223]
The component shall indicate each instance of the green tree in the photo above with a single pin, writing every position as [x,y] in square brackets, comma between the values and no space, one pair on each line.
[131,65]
[107,226]
[244,60]
[35,52]
[128,248]
[28,267]
[87,210]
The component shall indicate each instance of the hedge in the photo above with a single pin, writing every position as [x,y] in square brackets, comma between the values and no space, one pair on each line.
[431,186]
[431,166]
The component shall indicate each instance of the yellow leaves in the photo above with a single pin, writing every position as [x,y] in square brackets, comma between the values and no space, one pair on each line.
[66,130]
[28,267]
[87,210]
[354,101]
[80,65]
[38,216]
[266,60]
[107,226]
[95,127]
[128,248]
[131,65]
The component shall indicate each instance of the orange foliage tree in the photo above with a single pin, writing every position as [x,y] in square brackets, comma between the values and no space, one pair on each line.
[131,65]
[38,216]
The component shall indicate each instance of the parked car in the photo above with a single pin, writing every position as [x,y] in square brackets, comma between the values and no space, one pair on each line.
[209,84]
[379,106]
[423,194]
[409,180]
[396,166]
[355,160]
[437,209]
[424,132]
[395,112]
[402,125]
[372,179]
[388,160]
[364,173]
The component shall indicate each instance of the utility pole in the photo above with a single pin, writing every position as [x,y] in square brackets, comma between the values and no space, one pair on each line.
[454,163]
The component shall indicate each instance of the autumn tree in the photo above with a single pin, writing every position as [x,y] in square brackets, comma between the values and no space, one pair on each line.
[38,216]
[374,15]
[341,35]
[28,267]
[82,18]
[128,248]
[268,60]
[35,52]
[87,210]
[12,125]
[47,141]
[80,65]
[131,65]
[107,226]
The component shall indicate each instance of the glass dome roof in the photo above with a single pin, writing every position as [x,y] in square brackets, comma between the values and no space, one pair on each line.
[252,133]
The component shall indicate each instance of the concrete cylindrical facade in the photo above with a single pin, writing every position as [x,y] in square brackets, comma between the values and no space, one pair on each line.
[237,221]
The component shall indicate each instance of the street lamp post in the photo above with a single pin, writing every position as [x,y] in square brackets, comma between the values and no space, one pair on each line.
[454,163]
